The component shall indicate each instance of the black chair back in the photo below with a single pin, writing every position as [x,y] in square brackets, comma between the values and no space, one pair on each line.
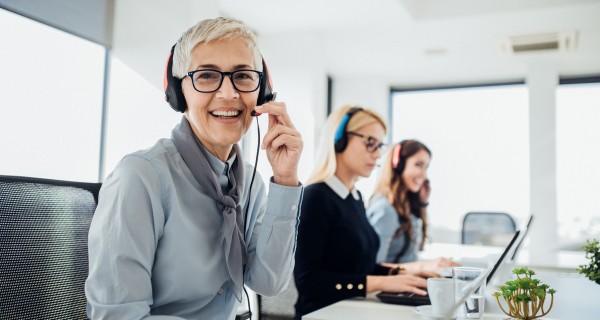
[43,247]
[488,228]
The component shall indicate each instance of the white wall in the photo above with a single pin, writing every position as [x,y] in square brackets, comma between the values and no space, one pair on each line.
[144,32]
[300,80]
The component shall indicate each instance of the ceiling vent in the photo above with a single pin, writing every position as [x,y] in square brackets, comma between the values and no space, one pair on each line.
[557,41]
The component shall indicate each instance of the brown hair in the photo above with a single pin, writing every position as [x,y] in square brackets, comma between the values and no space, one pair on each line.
[391,185]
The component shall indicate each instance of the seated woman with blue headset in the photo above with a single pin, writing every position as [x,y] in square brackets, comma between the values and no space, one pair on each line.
[337,247]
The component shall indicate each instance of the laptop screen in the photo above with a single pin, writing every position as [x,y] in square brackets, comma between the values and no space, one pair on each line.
[503,256]
[520,242]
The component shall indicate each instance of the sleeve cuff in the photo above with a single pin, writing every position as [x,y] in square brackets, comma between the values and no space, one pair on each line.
[284,200]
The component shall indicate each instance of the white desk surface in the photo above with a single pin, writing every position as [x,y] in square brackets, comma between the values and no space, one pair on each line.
[576,297]
[369,309]
[561,261]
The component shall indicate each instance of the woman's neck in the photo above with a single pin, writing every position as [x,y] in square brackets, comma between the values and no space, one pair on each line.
[346,177]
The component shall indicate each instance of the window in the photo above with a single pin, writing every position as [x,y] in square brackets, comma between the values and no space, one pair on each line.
[52,85]
[480,149]
[578,156]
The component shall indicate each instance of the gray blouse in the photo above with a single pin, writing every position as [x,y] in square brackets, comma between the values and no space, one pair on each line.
[154,243]
[384,219]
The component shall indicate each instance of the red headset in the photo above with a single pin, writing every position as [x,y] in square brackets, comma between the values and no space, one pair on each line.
[174,93]
[397,159]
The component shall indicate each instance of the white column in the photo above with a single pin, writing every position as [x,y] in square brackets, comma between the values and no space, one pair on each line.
[542,81]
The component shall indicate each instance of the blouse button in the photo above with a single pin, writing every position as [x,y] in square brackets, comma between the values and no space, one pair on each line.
[294,208]
[220,291]
[338,286]
[350,286]
[360,286]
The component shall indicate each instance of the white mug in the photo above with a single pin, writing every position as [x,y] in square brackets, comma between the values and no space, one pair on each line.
[441,294]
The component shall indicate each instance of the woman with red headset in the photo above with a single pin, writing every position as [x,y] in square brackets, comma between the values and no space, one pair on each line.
[397,210]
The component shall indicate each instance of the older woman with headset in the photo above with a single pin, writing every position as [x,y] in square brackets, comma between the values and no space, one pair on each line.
[182,226]
[337,247]
[397,209]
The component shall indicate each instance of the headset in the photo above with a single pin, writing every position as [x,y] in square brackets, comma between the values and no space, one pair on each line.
[398,161]
[174,93]
[341,137]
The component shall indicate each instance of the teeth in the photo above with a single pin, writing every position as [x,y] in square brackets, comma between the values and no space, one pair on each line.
[225,113]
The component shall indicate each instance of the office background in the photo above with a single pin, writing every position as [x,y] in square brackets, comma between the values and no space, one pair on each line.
[515,132]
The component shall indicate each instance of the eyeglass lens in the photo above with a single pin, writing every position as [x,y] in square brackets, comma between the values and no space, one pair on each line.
[211,80]
[373,144]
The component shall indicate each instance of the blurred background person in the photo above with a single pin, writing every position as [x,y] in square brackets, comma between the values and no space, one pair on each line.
[398,208]
[337,247]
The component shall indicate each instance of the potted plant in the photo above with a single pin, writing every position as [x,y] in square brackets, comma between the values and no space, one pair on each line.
[524,296]
[592,252]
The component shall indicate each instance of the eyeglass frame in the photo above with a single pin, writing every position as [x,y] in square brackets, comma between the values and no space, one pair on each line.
[223,74]
[368,141]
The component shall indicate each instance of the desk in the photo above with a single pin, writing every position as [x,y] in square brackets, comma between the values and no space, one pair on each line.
[561,261]
[576,298]
[370,309]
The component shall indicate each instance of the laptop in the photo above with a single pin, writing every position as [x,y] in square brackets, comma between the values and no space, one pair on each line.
[413,299]
[520,241]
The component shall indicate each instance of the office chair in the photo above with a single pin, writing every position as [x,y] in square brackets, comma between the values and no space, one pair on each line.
[281,306]
[43,247]
[488,228]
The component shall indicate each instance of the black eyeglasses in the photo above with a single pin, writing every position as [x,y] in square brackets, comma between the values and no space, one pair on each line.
[371,143]
[209,80]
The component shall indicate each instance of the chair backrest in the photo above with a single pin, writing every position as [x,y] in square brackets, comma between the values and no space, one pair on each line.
[281,306]
[43,247]
[488,228]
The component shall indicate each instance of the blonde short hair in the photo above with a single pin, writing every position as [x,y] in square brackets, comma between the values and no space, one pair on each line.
[325,165]
[209,30]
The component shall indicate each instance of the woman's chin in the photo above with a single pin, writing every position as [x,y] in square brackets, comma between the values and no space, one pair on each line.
[414,189]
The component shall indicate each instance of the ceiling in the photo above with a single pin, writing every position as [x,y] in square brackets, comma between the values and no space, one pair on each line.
[430,42]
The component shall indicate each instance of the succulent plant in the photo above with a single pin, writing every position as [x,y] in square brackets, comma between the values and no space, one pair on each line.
[524,296]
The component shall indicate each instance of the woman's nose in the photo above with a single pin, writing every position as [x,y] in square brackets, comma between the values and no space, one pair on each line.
[227,90]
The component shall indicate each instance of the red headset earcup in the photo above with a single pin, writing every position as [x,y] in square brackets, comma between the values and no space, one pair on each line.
[396,156]
[397,161]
